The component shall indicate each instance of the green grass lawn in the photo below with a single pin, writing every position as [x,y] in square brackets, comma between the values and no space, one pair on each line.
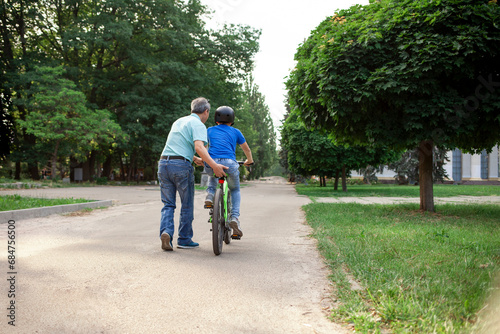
[392,190]
[16,202]
[419,272]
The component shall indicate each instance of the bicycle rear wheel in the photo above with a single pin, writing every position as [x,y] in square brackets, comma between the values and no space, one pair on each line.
[227,229]
[218,222]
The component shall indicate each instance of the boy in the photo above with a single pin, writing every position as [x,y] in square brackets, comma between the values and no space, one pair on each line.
[222,140]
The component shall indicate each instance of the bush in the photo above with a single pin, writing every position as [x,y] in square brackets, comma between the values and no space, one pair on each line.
[149,174]
[102,180]
[197,174]
[355,181]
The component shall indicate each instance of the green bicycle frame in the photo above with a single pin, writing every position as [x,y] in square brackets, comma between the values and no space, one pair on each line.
[225,189]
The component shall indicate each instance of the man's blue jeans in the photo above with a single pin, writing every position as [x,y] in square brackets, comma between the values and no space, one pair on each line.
[177,176]
[233,182]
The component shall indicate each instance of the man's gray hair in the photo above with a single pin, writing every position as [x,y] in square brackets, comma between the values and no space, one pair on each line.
[199,105]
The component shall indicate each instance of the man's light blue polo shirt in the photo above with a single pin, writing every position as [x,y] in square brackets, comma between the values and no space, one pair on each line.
[182,136]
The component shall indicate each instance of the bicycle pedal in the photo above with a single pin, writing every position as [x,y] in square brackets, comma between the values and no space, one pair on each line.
[235,237]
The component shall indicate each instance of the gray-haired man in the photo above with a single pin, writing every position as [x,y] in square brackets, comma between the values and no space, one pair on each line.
[187,136]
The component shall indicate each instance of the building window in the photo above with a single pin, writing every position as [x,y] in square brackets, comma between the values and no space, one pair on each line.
[484,165]
[457,165]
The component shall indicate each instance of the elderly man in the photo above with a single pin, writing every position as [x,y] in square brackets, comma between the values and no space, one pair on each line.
[187,136]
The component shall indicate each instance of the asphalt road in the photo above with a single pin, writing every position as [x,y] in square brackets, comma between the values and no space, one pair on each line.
[104,271]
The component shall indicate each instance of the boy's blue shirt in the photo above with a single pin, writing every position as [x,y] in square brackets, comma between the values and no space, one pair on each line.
[222,141]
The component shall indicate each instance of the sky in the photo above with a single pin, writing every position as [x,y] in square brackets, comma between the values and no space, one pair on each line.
[285,25]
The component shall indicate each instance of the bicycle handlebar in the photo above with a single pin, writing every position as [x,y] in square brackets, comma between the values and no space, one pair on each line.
[241,163]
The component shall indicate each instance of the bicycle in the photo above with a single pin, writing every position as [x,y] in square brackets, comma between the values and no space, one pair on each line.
[219,215]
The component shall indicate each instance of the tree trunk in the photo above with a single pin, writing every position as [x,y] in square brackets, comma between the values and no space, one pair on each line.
[33,170]
[425,176]
[17,175]
[131,167]
[61,171]
[73,163]
[53,170]
[89,167]
[344,179]
[337,176]
[86,170]
[106,167]
[92,160]
[122,167]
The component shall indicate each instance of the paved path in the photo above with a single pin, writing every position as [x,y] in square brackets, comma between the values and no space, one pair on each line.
[398,200]
[104,272]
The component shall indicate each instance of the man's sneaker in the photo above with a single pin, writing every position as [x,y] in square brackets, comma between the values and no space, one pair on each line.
[166,242]
[209,201]
[189,245]
[234,223]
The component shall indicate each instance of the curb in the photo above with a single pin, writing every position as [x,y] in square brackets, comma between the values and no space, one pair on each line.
[16,215]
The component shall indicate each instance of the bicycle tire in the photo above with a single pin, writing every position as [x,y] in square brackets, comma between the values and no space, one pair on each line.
[227,229]
[218,222]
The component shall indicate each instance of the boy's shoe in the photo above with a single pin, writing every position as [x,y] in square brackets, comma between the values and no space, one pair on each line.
[234,223]
[209,201]
[189,245]
[166,242]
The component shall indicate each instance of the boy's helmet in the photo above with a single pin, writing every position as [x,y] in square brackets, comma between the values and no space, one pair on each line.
[224,115]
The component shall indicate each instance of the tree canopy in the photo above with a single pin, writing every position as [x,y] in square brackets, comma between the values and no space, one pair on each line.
[254,120]
[60,117]
[404,74]
[313,152]
[142,61]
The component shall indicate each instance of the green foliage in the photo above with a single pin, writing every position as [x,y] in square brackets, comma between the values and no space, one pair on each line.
[142,62]
[59,116]
[416,273]
[102,180]
[407,167]
[313,152]
[17,202]
[254,121]
[401,72]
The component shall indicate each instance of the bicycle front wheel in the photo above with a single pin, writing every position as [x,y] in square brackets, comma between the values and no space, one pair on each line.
[218,222]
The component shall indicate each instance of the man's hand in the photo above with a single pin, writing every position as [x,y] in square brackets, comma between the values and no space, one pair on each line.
[219,170]
[248,163]
[198,161]
[203,153]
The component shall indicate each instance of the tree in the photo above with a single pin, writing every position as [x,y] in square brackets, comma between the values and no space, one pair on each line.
[254,121]
[407,168]
[20,50]
[60,117]
[6,133]
[143,61]
[406,74]
[313,152]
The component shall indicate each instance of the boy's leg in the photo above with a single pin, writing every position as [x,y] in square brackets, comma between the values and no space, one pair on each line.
[211,185]
[233,180]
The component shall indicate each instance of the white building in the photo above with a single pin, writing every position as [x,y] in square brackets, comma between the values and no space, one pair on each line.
[473,167]
[462,167]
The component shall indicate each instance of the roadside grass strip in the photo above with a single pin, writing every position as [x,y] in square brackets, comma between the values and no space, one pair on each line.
[393,190]
[418,272]
[17,202]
